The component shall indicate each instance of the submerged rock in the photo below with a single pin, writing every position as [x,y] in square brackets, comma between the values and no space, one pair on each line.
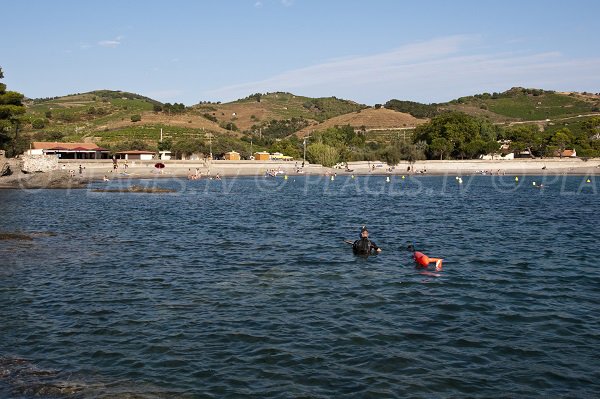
[41,180]
[15,236]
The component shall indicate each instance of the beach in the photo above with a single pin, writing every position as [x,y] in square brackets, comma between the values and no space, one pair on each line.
[68,173]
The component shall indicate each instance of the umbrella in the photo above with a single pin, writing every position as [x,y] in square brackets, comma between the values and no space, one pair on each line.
[159,165]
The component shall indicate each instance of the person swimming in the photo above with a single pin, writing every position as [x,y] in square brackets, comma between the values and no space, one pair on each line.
[364,246]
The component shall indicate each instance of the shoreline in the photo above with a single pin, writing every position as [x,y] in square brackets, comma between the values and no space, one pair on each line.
[94,171]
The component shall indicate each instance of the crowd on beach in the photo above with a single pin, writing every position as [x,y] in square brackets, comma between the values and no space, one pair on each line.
[197,175]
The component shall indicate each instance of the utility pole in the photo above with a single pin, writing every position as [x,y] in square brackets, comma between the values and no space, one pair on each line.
[304,144]
[304,157]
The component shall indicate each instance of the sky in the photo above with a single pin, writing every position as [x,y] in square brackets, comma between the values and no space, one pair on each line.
[365,51]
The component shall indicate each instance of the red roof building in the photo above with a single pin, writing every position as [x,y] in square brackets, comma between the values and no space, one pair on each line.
[68,150]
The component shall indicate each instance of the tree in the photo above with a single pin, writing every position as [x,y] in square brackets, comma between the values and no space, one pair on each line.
[440,146]
[491,147]
[456,128]
[188,147]
[525,137]
[391,155]
[130,145]
[592,128]
[561,139]
[321,153]
[475,148]
[165,145]
[11,108]
[291,147]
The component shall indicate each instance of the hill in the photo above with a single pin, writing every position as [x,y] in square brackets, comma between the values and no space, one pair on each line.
[369,119]
[108,117]
[517,104]
[259,109]
[531,104]
[117,118]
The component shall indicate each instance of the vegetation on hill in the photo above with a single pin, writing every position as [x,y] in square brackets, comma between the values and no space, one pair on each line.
[530,104]
[336,130]
[328,107]
[282,105]
[280,128]
[416,109]
[514,104]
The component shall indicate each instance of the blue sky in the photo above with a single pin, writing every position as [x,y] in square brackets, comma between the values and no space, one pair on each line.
[366,51]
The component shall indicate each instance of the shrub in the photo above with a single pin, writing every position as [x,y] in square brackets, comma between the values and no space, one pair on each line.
[229,126]
[136,118]
[38,123]
[209,117]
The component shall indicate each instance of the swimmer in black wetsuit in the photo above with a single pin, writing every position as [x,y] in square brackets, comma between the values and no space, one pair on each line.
[364,246]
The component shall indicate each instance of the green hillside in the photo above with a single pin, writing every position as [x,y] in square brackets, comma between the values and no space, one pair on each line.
[532,104]
[275,121]
[516,104]
[287,105]
[84,113]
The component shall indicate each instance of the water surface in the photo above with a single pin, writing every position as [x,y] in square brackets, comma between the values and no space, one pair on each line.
[244,287]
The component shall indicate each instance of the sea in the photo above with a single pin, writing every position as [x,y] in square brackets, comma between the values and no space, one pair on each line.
[245,287]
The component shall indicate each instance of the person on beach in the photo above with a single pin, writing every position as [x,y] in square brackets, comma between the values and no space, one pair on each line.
[364,246]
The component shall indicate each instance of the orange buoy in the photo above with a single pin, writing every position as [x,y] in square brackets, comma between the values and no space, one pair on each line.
[423,260]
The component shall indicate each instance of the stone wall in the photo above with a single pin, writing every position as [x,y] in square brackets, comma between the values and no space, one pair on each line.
[38,163]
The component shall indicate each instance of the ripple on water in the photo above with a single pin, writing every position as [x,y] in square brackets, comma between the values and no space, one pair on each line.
[245,288]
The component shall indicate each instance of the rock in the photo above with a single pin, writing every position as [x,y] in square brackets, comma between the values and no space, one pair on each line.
[38,163]
[56,179]
[15,236]
[5,169]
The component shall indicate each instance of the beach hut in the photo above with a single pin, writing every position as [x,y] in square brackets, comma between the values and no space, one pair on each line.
[164,155]
[262,156]
[136,154]
[232,156]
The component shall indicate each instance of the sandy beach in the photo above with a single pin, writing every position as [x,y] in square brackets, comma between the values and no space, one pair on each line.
[67,175]
[145,169]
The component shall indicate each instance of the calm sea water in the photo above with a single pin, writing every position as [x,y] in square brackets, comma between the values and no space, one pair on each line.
[245,288]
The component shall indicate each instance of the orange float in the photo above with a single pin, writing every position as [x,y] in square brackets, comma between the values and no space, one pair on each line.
[423,260]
